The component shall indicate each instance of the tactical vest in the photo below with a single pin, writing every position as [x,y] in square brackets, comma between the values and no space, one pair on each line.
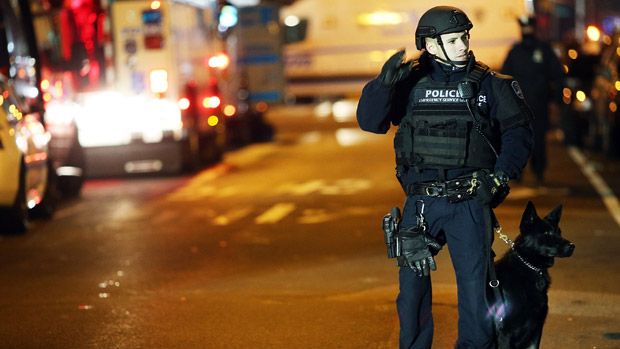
[439,130]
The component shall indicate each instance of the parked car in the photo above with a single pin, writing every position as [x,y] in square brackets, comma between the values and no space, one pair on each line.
[576,109]
[605,125]
[27,178]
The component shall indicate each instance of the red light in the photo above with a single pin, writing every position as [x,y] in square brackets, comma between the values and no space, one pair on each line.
[262,107]
[211,102]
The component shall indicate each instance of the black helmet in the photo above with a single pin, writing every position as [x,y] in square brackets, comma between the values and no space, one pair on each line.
[440,20]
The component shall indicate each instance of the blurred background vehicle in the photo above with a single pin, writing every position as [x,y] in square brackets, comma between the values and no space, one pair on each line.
[20,59]
[576,107]
[606,123]
[27,176]
[133,76]
[335,46]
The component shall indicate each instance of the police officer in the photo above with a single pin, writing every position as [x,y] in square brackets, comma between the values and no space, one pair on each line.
[463,132]
[538,70]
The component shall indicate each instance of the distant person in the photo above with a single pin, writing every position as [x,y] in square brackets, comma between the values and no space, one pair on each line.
[463,132]
[538,70]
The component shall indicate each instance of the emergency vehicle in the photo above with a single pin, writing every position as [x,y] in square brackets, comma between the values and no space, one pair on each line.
[333,55]
[136,79]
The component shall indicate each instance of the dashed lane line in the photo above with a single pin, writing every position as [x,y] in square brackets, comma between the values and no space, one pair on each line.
[609,198]
[231,216]
[275,213]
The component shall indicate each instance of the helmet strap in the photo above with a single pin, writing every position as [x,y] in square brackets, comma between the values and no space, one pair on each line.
[448,60]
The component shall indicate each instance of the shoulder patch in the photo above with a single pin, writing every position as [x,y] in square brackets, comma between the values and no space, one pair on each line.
[515,87]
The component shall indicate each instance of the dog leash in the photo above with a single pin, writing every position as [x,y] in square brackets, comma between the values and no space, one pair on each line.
[506,239]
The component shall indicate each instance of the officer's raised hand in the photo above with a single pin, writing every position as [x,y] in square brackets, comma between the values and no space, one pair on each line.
[395,69]
[416,253]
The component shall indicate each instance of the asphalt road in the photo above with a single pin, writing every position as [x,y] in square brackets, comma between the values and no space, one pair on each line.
[279,246]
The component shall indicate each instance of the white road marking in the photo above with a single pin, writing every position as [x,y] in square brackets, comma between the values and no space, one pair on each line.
[275,213]
[231,216]
[192,193]
[609,198]
[301,188]
[344,186]
[312,216]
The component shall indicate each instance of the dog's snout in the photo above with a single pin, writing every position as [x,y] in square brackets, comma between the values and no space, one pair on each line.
[568,250]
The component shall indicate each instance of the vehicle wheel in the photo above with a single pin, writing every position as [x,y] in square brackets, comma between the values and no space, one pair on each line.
[15,219]
[47,206]
[70,185]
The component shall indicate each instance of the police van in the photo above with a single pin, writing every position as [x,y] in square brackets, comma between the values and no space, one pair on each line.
[330,54]
[136,78]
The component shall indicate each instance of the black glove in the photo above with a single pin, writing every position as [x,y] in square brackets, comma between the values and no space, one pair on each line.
[492,188]
[434,245]
[416,253]
[395,69]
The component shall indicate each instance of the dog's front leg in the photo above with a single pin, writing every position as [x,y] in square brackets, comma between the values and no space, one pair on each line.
[537,338]
[503,341]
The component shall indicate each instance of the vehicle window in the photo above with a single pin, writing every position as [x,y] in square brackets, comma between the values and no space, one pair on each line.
[9,104]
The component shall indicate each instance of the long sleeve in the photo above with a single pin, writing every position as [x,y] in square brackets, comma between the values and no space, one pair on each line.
[515,118]
[373,110]
[517,143]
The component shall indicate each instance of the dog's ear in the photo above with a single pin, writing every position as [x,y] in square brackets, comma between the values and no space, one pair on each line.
[529,217]
[554,216]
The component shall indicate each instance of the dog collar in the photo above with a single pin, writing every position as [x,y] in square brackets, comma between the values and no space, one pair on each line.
[506,239]
[529,265]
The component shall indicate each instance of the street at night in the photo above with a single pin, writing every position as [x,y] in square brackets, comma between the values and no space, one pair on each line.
[279,246]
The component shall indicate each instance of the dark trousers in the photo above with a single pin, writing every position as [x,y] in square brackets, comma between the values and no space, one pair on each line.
[538,161]
[462,225]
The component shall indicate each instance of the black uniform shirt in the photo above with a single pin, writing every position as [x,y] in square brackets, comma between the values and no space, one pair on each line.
[380,106]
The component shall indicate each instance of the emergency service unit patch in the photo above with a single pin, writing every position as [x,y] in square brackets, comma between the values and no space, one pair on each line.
[433,96]
[517,89]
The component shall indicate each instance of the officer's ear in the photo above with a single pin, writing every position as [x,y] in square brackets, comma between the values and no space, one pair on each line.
[431,46]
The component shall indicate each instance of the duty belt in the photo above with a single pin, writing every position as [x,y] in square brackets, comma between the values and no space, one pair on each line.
[455,190]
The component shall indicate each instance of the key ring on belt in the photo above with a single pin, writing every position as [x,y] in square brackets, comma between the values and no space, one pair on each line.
[473,185]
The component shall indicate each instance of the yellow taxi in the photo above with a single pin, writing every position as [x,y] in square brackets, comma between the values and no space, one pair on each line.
[26,178]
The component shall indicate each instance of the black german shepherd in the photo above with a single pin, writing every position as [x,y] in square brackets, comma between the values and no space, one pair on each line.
[524,279]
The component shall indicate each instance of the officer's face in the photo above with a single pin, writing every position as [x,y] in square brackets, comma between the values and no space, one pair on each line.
[455,44]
